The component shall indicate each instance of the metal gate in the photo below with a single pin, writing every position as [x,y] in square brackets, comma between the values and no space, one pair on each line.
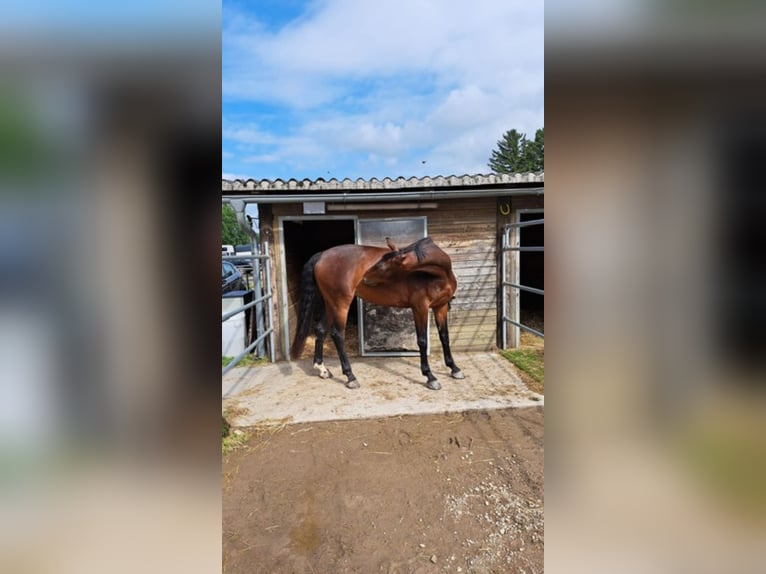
[261,332]
[511,286]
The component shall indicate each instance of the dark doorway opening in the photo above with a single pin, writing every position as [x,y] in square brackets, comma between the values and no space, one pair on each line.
[302,239]
[532,272]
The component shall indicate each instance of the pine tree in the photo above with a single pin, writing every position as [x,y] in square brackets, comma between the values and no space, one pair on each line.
[534,152]
[516,154]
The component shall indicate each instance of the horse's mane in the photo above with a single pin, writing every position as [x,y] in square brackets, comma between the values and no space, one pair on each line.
[417,247]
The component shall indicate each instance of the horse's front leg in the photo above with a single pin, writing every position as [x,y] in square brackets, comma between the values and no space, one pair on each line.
[440,316]
[337,333]
[421,329]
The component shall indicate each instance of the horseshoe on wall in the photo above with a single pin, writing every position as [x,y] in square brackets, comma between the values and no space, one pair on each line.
[506,211]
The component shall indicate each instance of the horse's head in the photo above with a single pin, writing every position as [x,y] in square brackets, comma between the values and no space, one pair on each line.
[422,256]
[391,267]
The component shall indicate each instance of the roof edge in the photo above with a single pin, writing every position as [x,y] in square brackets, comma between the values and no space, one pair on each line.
[387,183]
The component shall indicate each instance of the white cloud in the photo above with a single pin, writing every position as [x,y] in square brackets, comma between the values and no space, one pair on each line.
[391,83]
[465,107]
[484,42]
[231,175]
[247,134]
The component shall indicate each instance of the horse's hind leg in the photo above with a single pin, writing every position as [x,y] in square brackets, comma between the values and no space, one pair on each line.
[440,316]
[321,333]
[337,332]
[421,329]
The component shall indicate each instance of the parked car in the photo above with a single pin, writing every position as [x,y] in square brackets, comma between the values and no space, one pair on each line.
[231,278]
[227,250]
[245,265]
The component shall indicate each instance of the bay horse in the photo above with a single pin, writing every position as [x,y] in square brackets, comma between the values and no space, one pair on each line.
[418,276]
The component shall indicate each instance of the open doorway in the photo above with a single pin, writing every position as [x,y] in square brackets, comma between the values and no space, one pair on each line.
[302,238]
[532,270]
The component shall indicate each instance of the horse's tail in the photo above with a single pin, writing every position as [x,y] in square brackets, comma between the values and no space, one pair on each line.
[305,307]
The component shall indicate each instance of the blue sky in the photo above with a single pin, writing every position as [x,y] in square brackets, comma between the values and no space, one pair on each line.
[88,16]
[371,88]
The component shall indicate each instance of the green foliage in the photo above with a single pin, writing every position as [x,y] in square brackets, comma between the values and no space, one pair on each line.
[516,154]
[27,149]
[231,232]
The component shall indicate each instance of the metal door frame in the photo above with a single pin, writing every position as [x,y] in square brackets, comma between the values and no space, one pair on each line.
[511,273]
[359,301]
[283,264]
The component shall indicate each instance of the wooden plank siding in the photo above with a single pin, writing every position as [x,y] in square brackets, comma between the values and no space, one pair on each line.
[466,229]
[530,202]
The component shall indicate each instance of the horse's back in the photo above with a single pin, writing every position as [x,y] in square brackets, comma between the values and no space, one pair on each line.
[342,267]
[352,255]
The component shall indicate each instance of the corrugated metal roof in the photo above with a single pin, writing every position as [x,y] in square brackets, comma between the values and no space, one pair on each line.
[386,183]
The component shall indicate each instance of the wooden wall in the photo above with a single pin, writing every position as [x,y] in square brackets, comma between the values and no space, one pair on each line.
[466,230]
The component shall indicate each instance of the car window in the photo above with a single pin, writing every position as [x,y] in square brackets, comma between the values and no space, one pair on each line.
[227,269]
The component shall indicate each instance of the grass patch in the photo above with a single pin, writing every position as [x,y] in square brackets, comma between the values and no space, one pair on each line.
[235,439]
[531,362]
[231,438]
[247,361]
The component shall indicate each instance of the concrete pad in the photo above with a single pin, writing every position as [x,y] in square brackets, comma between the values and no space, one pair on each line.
[292,391]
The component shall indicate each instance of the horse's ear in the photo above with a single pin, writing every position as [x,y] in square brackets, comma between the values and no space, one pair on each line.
[390,244]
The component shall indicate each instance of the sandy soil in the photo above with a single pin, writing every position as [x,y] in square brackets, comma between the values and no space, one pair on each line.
[411,494]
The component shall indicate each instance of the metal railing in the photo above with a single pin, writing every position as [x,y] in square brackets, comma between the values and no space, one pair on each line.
[511,245]
[262,324]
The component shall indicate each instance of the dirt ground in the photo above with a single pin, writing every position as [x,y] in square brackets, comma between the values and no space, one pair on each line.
[459,492]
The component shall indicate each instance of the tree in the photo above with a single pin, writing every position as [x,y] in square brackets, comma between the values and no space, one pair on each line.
[535,151]
[516,154]
[231,232]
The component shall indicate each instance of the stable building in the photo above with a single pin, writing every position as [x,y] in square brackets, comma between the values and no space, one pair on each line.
[467,216]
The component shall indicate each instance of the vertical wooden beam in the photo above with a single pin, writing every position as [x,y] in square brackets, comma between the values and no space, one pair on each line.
[504,216]
[266,226]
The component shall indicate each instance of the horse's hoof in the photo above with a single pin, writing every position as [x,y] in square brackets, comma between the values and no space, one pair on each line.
[323,372]
[433,385]
[352,384]
[458,375]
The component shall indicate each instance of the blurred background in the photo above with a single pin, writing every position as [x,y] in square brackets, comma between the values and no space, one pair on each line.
[109,172]
[656,331]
